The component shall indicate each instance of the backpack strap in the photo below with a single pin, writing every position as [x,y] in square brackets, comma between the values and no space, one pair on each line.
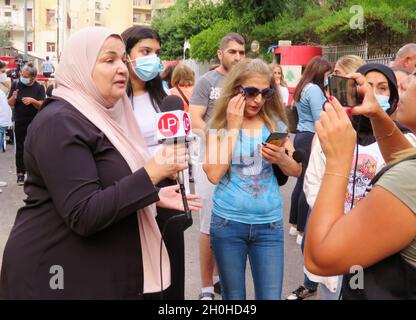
[182,94]
[388,167]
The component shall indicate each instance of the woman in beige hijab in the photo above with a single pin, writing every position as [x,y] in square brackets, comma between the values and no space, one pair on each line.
[88,228]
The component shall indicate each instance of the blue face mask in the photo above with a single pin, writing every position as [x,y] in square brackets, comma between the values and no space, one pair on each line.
[25,81]
[147,68]
[326,82]
[383,101]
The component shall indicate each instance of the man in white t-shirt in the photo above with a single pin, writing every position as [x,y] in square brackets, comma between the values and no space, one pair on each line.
[47,68]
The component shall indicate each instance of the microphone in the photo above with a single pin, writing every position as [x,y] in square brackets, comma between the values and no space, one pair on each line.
[172,103]
[299,155]
[175,125]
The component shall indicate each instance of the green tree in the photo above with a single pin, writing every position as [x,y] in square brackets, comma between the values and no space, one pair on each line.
[182,21]
[4,38]
[385,22]
[205,44]
[252,12]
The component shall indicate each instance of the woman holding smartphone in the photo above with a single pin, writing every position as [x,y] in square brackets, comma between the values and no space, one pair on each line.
[247,212]
[367,162]
[379,234]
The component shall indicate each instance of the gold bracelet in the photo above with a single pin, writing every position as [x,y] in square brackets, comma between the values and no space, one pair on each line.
[337,175]
[387,135]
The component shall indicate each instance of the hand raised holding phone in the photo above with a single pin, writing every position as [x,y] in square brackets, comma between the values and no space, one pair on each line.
[368,105]
[344,89]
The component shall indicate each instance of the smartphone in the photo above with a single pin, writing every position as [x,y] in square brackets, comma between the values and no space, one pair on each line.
[345,90]
[277,138]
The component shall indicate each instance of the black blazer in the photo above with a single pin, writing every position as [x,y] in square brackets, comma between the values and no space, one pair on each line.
[80,214]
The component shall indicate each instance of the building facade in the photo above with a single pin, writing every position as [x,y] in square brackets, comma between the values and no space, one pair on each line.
[51,22]
[12,20]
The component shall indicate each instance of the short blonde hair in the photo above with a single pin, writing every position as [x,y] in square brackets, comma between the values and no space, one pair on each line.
[350,63]
[183,76]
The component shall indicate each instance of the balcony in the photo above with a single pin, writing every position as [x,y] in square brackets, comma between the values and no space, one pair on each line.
[163,4]
[142,18]
[142,4]
[12,17]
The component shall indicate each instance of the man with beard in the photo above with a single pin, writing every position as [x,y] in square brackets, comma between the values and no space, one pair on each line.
[207,90]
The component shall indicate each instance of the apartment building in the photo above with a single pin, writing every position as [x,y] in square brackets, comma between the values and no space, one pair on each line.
[12,20]
[143,10]
[51,22]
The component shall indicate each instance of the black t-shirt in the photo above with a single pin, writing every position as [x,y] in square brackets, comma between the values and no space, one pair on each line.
[21,111]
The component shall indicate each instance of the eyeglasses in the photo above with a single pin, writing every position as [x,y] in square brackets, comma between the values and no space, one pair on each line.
[252,92]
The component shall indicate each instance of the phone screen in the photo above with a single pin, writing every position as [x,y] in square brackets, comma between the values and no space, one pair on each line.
[277,138]
[345,90]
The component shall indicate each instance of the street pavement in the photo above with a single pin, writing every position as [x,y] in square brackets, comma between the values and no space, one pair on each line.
[12,198]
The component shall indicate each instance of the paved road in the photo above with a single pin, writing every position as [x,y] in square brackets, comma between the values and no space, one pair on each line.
[12,198]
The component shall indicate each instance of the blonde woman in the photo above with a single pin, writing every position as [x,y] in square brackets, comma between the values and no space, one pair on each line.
[281,83]
[183,80]
[347,64]
[247,211]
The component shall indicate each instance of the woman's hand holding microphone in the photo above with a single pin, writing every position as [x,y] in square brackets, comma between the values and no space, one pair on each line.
[167,162]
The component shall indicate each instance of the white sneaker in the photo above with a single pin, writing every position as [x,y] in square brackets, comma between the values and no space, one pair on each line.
[299,239]
[3,184]
[293,231]
[207,296]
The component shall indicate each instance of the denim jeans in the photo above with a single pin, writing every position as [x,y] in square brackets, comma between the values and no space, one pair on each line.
[232,242]
[2,138]
[299,206]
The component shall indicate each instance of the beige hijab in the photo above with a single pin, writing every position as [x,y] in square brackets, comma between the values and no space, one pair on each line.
[75,85]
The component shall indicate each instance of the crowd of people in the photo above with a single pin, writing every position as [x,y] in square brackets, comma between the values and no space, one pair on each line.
[102,193]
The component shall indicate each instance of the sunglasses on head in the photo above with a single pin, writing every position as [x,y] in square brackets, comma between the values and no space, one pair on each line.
[252,92]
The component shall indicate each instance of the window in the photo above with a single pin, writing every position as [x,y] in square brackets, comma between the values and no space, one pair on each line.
[7,2]
[30,46]
[136,17]
[148,17]
[50,46]
[29,18]
[7,14]
[50,16]
[97,16]
[148,1]
[136,3]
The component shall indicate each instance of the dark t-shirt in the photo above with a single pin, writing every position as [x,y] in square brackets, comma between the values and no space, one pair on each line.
[21,111]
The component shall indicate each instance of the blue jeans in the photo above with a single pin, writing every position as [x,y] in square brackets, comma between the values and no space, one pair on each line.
[2,138]
[232,242]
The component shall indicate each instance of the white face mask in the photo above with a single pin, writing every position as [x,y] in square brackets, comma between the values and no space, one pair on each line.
[3,77]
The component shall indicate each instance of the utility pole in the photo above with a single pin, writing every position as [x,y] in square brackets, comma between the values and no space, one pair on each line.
[57,29]
[25,31]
